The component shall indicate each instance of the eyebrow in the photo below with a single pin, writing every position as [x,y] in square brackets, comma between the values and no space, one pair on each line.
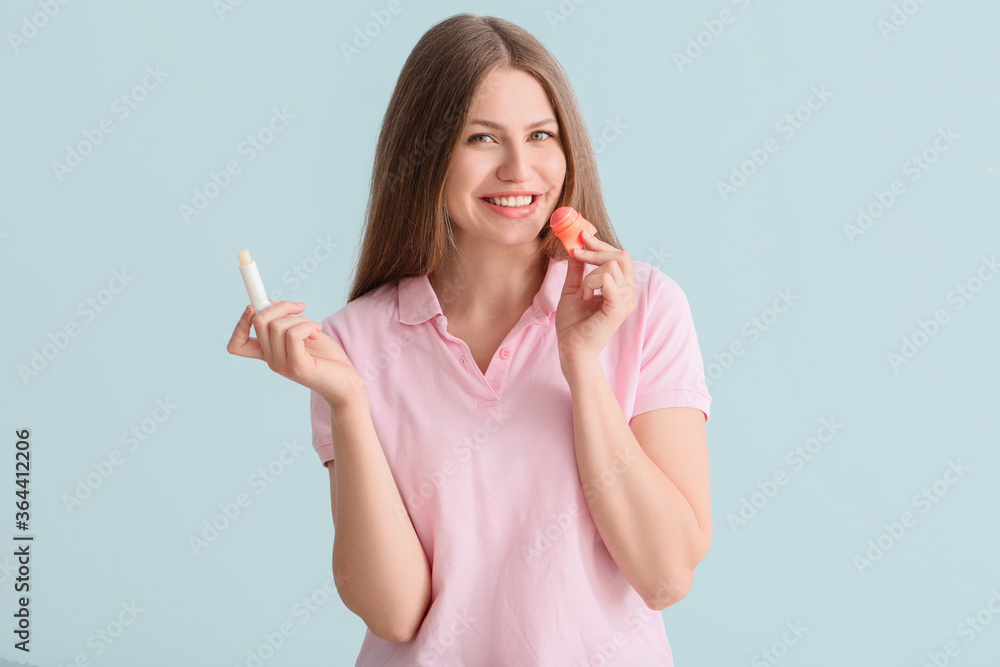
[500,128]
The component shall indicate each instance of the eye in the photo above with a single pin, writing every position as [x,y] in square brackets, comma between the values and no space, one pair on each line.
[545,132]
[475,138]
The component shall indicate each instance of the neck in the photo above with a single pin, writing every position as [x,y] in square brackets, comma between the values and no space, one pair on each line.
[483,285]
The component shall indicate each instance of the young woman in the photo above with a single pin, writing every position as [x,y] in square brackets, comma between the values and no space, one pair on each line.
[521,468]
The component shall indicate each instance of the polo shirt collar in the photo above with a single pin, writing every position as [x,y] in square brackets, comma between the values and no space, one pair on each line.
[418,302]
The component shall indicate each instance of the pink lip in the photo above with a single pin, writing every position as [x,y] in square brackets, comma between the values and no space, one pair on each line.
[514,211]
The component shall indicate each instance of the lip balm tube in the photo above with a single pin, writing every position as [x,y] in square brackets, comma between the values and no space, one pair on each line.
[568,224]
[251,278]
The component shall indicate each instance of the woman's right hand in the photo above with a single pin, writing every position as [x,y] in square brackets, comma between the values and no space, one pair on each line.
[295,347]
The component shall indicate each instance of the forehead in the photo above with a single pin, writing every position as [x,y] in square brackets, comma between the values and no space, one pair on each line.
[511,94]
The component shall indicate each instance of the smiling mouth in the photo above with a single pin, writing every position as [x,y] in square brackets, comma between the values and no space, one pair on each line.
[512,202]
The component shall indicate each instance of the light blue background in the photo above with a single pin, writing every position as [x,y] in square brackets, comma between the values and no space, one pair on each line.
[683,129]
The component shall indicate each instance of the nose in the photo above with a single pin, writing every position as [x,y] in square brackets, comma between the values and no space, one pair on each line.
[515,165]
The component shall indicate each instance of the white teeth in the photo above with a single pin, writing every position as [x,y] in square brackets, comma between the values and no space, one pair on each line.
[510,201]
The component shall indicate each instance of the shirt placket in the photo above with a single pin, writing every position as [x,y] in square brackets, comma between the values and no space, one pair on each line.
[496,373]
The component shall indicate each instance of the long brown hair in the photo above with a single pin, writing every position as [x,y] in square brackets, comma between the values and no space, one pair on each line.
[406,228]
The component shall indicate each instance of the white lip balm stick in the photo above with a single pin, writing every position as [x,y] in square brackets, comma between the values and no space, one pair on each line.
[251,278]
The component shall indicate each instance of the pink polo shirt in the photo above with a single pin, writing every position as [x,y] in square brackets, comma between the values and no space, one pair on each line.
[486,467]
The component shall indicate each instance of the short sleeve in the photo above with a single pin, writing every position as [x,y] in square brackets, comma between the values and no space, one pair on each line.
[319,409]
[671,372]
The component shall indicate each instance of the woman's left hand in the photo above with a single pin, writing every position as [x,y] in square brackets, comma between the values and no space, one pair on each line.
[585,322]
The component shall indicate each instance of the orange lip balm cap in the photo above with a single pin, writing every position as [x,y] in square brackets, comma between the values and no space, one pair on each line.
[568,224]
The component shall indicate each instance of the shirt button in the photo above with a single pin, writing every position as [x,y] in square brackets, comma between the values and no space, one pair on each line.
[505,353]
[463,361]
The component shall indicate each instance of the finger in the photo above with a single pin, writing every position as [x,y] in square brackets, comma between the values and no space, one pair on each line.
[624,288]
[617,274]
[597,252]
[262,320]
[295,349]
[277,331]
[574,274]
[610,292]
[279,326]
[624,261]
[591,282]
[604,258]
[592,256]
[241,344]
[595,243]
[242,330]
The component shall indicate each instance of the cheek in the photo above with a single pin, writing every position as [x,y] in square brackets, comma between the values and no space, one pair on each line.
[465,175]
[457,184]
[555,167]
